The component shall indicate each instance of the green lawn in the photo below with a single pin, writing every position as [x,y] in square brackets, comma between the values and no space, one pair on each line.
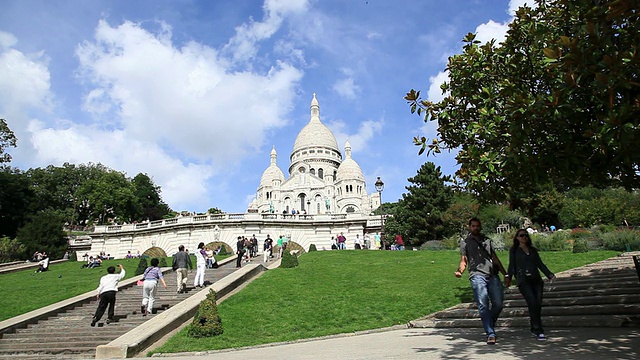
[335,292]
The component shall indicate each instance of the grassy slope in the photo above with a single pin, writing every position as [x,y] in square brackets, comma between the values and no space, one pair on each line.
[335,292]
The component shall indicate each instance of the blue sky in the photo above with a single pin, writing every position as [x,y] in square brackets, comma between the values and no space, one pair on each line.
[196,93]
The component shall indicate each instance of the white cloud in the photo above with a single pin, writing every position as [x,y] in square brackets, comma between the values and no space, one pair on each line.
[184,115]
[7,40]
[514,5]
[435,92]
[24,79]
[346,88]
[183,98]
[360,140]
[243,46]
[492,30]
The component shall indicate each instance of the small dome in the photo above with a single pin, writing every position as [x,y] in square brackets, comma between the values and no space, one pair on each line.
[349,168]
[272,172]
[315,133]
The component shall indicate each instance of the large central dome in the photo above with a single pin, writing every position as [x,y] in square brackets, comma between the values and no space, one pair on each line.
[315,134]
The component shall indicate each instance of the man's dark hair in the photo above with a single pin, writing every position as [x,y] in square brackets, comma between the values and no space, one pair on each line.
[111,269]
[181,248]
[155,262]
[474,219]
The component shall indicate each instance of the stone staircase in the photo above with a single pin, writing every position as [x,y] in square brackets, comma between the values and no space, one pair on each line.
[603,294]
[68,334]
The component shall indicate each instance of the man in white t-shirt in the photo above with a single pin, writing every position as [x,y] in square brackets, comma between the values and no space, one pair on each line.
[107,294]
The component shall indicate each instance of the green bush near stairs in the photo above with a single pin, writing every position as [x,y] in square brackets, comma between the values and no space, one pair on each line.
[207,321]
[142,266]
[288,260]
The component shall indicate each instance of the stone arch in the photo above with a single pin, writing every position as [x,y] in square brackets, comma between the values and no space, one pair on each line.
[294,246]
[214,244]
[155,252]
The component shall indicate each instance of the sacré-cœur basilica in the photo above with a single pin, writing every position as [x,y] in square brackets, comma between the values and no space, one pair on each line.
[324,194]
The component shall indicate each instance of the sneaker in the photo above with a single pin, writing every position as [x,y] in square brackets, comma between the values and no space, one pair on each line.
[541,337]
[108,321]
[143,309]
[491,340]
[93,322]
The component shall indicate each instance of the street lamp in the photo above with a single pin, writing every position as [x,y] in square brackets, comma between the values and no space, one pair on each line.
[379,187]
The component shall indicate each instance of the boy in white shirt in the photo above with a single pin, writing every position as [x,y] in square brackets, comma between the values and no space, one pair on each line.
[107,294]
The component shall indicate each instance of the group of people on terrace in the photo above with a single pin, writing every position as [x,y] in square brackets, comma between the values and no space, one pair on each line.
[339,242]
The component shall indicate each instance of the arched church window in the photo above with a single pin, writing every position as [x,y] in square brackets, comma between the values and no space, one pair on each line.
[321,173]
[312,171]
[334,174]
[267,194]
[301,170]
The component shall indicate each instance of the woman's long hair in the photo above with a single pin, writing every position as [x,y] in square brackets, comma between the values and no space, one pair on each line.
[516,243]
[201,245]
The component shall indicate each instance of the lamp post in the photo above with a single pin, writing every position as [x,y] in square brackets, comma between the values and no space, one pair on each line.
[379,187]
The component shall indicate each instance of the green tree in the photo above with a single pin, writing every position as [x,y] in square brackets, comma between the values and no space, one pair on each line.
[464,206]
[11,249]
[16,200]
[150,204]
[43,232]
[556,103]
[214,210]
[418,215]
[7,139]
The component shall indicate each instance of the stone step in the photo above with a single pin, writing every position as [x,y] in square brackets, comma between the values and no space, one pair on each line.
[8,346]
[570,294]
[548,321]
[586,299]
[608,309]
[60,349]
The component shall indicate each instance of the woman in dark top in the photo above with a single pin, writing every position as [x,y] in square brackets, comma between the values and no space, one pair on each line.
[524,262]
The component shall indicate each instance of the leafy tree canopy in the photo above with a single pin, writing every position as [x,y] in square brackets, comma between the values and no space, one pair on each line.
[558,102]
[7,139]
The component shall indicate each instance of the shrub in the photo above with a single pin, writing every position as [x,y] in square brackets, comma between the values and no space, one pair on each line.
[580,246]
[206,322]
[288,260]
[163,262]
[618,240]
[142,266]
[432,245]
[558,241]
[452,242]
[312,247]
[498,241]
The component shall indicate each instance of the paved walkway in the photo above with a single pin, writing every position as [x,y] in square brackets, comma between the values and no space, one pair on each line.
[587,343]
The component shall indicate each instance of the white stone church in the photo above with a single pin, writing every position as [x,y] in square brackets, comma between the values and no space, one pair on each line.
[320,181]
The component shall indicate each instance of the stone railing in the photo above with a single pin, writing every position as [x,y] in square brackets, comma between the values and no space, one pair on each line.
[372,221]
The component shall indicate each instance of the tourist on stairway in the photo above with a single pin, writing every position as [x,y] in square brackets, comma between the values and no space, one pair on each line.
[107,294]
[181,262]
[201,264]
[150,286]
[524,262]
[478,254]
